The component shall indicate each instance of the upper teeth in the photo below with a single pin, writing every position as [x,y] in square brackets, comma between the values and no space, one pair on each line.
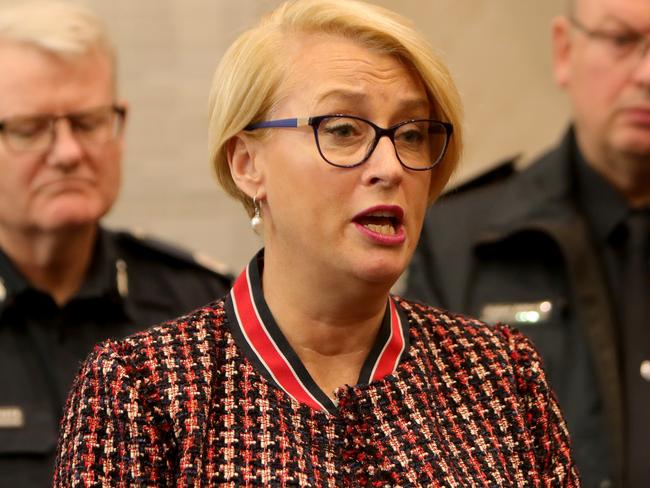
[381,214]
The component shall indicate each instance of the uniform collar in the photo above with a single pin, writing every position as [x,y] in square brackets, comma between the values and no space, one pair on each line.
[604,208]
[543,195]
[259,336]
[103,278]
[12,282]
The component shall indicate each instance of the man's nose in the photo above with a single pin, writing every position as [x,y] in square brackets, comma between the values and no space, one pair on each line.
[66,150]
[641,73]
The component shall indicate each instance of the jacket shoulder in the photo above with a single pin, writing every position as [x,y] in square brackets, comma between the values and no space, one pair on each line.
[501,194]
[454,326]
[150,249]
[499,172]
[467,335]
[473,196]
[140,391]
[183,336]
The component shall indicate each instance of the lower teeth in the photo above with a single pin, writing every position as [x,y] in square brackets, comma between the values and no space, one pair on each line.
[381,229]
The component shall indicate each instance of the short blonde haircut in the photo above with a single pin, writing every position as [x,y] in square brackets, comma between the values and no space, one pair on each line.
[59,28]
[248,80]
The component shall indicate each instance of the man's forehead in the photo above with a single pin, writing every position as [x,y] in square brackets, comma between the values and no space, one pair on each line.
[636,13]
[27,50]
[41,81]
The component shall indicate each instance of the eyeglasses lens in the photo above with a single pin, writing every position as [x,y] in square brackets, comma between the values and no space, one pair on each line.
[37,133]
[346,141]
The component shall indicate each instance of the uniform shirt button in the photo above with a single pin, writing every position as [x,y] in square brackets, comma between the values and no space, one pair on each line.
[645,370]
[606,483]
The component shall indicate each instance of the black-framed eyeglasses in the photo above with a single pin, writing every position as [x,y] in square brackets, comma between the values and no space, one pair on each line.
[621,43]
[347,141]
[36,133]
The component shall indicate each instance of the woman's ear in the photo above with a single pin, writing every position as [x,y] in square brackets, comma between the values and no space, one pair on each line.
[245,167]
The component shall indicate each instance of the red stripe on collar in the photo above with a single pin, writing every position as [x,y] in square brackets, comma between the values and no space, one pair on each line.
[392,352]
[263,345]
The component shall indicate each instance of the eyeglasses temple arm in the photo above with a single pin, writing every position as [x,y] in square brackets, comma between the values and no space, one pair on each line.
[270,124]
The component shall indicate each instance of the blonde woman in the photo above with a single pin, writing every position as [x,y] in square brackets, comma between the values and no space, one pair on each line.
[336,126]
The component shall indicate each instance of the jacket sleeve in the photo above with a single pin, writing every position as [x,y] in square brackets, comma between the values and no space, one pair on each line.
[108,437]
[551,444]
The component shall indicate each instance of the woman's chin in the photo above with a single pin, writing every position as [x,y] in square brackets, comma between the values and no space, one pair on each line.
[380,273]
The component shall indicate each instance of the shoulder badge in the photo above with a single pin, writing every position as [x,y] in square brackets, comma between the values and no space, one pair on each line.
[11,417]
[517,313]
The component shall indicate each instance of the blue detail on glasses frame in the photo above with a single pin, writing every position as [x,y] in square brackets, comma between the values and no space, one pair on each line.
[280,123]
[435,126]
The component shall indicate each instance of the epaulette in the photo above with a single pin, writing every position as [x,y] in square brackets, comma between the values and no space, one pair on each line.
[501,171]
[139,238]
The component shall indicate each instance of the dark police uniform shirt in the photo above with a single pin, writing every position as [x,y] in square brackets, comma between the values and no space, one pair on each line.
[132,283]
[606,214]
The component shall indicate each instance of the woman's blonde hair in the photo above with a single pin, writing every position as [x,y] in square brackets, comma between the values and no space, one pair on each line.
[248,80]
[60,28]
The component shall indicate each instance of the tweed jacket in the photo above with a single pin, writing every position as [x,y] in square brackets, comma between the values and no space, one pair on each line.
[187,403]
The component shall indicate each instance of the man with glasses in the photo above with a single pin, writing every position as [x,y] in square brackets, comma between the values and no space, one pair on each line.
[560,249]
[65,282]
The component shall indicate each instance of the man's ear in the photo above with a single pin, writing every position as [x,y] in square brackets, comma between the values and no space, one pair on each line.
[562,44]
[125,105]
[245,167]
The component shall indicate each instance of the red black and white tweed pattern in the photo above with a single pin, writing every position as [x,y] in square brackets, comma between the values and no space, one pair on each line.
[182,405]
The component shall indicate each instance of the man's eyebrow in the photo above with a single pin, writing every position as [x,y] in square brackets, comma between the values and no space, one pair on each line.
[609,19]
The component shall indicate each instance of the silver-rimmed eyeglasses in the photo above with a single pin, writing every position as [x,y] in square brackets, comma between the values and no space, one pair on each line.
[36,133]
[347,141]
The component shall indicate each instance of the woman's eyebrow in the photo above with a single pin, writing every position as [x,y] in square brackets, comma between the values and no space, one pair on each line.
[358,97]
[343,95]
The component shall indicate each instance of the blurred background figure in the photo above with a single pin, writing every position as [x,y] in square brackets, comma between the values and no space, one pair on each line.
[561,249]
[65,281]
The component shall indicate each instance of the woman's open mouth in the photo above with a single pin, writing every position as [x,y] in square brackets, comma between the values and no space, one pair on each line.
[382,224]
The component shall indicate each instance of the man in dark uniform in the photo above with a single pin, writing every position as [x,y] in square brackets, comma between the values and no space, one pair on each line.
[560,249]
[65,282]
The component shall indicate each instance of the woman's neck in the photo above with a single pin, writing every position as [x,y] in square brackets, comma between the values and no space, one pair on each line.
[331,322]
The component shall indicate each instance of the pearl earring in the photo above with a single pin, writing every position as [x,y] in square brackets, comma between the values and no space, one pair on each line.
[256,220]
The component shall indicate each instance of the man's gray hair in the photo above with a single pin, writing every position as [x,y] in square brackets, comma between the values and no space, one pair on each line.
[56,27]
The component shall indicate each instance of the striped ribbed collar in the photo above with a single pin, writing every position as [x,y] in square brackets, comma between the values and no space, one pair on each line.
[259,336]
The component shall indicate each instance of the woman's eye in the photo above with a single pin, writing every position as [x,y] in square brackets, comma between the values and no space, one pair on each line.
[411,136]
[341,130]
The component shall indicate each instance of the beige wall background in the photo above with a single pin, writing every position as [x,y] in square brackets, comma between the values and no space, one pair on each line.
[498,50]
